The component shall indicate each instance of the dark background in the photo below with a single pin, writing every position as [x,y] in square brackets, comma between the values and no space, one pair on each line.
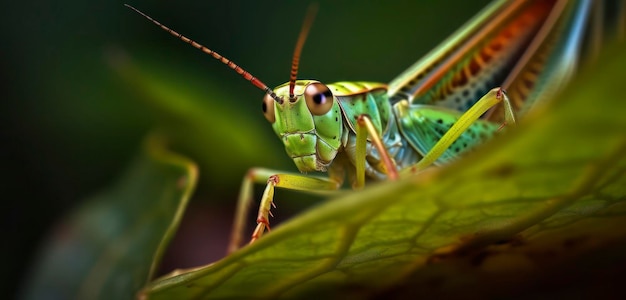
[71,124]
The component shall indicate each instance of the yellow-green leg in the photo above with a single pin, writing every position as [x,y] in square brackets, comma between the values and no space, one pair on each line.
[274,179]
[366,128]
[492,98]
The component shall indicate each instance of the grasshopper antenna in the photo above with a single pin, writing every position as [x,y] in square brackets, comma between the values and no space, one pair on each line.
[245,74]
[304,32]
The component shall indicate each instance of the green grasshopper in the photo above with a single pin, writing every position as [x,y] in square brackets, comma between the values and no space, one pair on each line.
[438,108]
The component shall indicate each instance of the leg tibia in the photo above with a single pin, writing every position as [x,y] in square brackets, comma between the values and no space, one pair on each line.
[273,179]
[492,98]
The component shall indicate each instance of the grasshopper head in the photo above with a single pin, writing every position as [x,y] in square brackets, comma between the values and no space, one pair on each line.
[309,123]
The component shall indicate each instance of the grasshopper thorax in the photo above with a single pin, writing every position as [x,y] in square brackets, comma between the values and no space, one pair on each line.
[309,123]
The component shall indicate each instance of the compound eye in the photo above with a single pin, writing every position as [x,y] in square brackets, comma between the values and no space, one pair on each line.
[268,108]
[319,98]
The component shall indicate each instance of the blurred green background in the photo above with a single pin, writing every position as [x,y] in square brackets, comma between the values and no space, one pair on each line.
[85,82]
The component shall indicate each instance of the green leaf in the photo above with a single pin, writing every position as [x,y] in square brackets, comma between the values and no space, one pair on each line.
[561,167]
[111,246]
